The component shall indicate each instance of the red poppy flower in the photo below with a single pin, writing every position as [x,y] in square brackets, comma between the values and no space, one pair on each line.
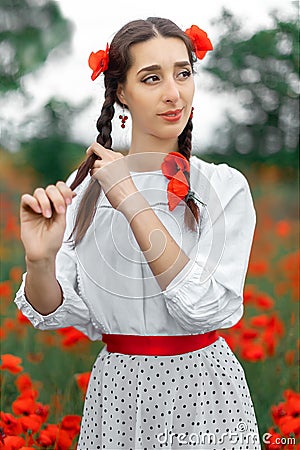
[23,382]
[253,352]
[200,40]
[72,336]
[176,168]
[13,443]
[6,290]
[45,439]
[98,62]
[9,424]
[33,422]
[289,425]
[283,228]
[268,337]
[48,436]
[9,324]
[173,162]
[249,294]
[258,268]
[177,190]
[64,441]
[264,301]
[260,321]
[42,411]
[71,424]
[277,412]
[29,393]
[249,333]
[15,274]
[277,325]
[11,363]
[274,440]
[240,325]
[292,405]
[21,318]
[52,435]
[82,380]
[24,406]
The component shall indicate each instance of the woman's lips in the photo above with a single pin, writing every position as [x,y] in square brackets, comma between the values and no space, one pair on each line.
[172,116]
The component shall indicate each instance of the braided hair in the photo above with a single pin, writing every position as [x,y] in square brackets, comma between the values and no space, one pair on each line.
[185,148]
[119,63]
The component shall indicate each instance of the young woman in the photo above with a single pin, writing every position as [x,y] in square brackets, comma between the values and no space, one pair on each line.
[148,252]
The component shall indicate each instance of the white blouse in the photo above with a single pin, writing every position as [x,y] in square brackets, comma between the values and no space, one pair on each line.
[108,286]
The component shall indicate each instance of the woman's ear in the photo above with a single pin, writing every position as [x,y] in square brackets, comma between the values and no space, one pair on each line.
[120,94]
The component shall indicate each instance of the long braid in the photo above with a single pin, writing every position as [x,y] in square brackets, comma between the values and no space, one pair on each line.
[185,148]
[87,207]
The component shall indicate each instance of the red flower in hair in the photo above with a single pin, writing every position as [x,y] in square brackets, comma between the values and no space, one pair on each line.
[200,41]
[176,168]
[98,62]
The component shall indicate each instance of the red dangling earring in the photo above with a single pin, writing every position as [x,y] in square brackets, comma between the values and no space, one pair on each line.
[192,112]
[123,118]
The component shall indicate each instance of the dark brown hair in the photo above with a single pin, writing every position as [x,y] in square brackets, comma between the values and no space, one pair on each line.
[119,64]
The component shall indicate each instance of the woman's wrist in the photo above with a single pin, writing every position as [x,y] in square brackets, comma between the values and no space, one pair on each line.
[45,265]
[42,289]
[133,205]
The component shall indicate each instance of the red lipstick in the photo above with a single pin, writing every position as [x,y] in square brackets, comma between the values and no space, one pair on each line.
[172,115]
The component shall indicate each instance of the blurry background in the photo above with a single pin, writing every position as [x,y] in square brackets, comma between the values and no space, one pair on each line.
[246,115]
[246,102]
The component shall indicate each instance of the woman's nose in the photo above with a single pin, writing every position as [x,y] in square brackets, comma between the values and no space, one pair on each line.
[171,91]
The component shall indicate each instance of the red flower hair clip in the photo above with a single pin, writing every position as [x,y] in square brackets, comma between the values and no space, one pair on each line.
[176,168]
[98,62]
[200,40]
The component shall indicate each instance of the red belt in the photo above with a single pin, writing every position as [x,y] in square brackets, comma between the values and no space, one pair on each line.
[133,344]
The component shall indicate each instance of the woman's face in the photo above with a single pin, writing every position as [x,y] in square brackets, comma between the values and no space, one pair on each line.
[159,88]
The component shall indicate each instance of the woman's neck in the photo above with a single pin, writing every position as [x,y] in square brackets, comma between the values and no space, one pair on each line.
[148,154]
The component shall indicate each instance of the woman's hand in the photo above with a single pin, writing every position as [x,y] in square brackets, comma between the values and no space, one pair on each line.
[43,220]
[112,172]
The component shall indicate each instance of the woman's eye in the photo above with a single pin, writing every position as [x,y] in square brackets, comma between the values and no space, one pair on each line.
[151,79]
[185,74]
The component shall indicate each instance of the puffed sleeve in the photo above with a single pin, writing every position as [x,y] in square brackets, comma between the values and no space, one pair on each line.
[208,293]
[73,311]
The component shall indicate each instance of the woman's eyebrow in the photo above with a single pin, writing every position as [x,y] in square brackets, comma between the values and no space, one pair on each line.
[149,68]
[158,67]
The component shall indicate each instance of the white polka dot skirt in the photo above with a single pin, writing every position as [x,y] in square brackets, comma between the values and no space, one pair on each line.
[196,400]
